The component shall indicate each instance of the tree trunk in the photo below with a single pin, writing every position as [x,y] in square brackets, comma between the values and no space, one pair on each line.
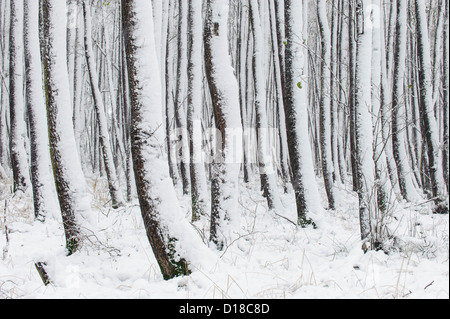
[325,102]
[368,209]
[225,101]
[195,108]
[157,197]
[296,110]
[428,119]
[404,172]
[266,168]
[42,181]
[19,157]
[69,179]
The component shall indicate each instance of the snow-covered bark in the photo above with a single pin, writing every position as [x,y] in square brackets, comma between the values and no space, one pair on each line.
[445,76]
[180,97]
[404,171]
[68,174]
[428,119]
[296,109]
[278,59]
[199,190]
[384,185]
[224,90]
[325,102]
[19,156]
[105,143]
[364,136]
[44,194]
[158,202]
[266,168]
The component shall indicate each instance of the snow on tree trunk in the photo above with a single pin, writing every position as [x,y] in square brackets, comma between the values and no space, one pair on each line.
[368,209]
[383,181]
[69,178]
[446,66]
[296,108]
[325,102]
[266,168]
[224,90]
[404,171]
[108,160]
[159,205]
[19,156]
[428,119]
[44,191]
[199,189]
[180,98]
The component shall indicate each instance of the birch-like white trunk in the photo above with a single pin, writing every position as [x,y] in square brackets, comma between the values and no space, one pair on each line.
[18,131]
[44,192]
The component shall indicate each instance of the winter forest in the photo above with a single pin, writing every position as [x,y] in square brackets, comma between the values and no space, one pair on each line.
[224,149]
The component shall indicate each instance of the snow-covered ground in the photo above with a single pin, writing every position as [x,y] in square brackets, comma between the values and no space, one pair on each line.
[272,259]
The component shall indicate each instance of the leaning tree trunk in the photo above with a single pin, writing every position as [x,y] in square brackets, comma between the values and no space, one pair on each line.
[69,178]
[16,102]
[428,119]
[224,90]
[105,143]
[159,205]
[42,181]
[296,111]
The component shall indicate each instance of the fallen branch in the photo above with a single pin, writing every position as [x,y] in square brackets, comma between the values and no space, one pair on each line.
[40,267]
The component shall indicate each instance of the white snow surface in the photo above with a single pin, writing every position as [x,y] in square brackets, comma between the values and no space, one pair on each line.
[273,259]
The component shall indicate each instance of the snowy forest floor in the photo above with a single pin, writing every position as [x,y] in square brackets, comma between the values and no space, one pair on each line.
[273,260]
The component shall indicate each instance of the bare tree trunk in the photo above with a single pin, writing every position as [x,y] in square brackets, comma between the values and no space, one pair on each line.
[69,179]
[180,113]
[296,109]
[42,181]
[266,169]
[157,197]
[446,65]
[16,102]
[368,210]
[226,107]
[405,177]
[195,107]
[325,102]
[428,120]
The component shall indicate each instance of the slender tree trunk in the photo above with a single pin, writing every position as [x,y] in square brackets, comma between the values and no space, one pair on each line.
[180,113]
[266,168]
[368,209]
[195,108]
[445,76]
[19,157]
[42,181]
[325,102]
[428,119]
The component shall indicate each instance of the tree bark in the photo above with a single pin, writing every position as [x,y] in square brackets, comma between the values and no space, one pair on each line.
[158,202]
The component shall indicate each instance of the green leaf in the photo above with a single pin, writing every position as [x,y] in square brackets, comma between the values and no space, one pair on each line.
[300,86]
